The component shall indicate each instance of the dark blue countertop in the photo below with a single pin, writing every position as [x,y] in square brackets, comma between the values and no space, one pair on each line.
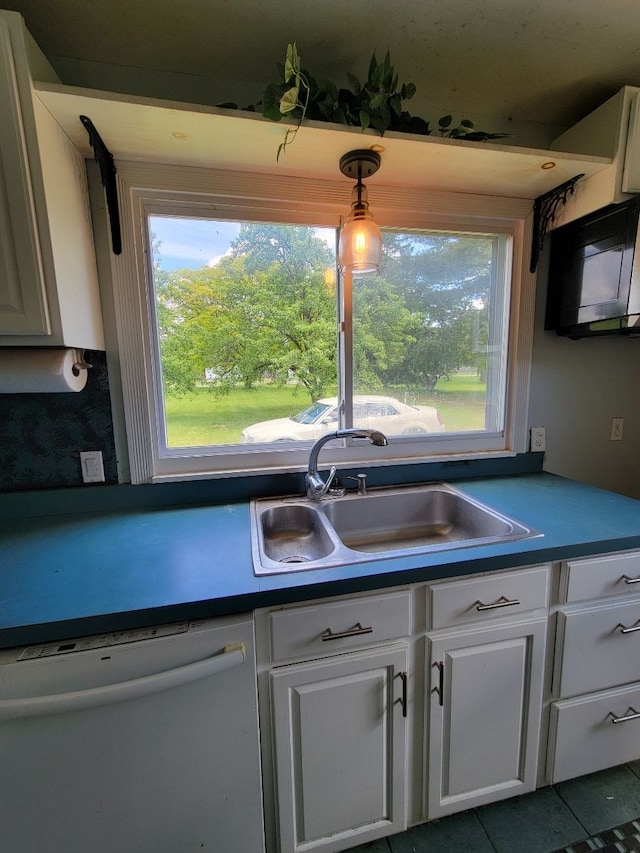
[64,575]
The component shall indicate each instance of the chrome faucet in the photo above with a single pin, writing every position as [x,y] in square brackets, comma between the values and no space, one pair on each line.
[315,486]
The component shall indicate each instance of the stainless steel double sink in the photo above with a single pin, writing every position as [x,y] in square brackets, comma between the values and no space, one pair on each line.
[294,534]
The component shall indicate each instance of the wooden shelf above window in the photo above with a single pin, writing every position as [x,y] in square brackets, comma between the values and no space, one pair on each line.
[146,129]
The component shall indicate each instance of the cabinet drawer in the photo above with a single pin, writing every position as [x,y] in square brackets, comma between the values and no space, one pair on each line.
[600,647]
[600,576]
[326,628]
[584,737]
[481,599]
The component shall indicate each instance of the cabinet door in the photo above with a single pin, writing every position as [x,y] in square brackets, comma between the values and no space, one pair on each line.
[485,709]
[340,744]
[23,306]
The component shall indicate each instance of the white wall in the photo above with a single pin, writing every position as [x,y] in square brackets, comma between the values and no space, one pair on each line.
[576,388]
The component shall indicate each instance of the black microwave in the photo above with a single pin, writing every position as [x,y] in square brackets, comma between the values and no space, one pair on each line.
[594,274]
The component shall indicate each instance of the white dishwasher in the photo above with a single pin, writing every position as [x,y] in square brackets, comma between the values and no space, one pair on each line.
[141,741]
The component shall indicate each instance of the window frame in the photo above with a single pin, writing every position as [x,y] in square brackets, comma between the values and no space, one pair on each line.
[267,197]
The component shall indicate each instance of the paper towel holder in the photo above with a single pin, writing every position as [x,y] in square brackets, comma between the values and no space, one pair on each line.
[80,363]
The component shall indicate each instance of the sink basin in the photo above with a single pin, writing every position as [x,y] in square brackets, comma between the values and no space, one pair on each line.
[293,534]
[411,518]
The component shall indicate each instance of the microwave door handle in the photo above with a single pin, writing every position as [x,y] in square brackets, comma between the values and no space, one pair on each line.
[77,700]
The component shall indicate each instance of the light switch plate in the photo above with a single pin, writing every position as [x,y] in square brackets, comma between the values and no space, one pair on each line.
[92,466]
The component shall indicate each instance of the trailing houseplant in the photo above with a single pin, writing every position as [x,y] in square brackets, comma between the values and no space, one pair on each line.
[376,103]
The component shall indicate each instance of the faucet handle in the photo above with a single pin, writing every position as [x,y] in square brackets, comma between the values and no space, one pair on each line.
[332,485]
[317,487]
[329,480]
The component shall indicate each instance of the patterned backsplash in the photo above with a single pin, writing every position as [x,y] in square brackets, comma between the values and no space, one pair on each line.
[41,435]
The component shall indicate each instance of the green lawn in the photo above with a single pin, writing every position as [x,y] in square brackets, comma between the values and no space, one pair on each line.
[203,418]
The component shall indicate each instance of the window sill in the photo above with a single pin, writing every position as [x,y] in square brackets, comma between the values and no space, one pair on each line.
[372,465]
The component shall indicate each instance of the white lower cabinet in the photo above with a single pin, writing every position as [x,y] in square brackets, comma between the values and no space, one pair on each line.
[594,718]
[340,744]
[484,680]
[334,708]
[485,689]
[384,710]
[380,711]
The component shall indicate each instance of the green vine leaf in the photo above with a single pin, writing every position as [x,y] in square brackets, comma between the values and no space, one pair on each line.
[291,62]
[289,101]
[355,83]
[271,102]
[408,91]
[377,103]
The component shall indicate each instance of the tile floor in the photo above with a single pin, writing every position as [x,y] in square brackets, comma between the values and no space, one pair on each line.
[547,820]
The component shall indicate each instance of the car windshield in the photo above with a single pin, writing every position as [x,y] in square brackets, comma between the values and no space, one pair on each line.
[312,413]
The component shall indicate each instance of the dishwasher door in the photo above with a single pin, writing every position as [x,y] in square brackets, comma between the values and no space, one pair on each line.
[132,742]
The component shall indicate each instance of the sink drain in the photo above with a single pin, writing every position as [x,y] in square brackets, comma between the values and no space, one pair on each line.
[295,558]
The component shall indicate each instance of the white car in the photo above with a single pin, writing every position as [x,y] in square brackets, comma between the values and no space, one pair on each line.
[386,414]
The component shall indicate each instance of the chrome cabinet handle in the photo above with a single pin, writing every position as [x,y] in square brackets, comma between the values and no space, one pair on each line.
[440,688]
[628,580]
[631,714]
[624,630]
[356,631]
[503,601]
[403,699]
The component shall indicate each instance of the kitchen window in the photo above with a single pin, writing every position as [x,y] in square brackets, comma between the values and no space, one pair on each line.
[243,344]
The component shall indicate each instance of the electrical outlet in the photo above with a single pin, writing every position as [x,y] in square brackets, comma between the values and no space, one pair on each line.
[617,425]
[92,467]
[538,439]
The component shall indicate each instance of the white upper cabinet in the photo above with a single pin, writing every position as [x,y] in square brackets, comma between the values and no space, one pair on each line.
[48,279]
[612,130]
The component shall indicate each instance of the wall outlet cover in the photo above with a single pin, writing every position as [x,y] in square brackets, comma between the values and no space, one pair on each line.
[538,439]
[617,426]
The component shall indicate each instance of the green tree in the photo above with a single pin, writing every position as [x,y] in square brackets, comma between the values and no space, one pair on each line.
[445,282]
[267,311]
[264,311]
[384,330]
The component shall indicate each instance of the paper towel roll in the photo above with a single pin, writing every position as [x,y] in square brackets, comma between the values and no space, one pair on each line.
[40,371]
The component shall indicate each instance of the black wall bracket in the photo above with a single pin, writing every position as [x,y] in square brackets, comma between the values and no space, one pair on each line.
[104,159]
[545,209]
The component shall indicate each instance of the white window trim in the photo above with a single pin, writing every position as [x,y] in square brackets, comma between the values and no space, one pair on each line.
[294,200]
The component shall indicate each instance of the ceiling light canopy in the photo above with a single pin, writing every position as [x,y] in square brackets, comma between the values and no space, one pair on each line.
[360,246]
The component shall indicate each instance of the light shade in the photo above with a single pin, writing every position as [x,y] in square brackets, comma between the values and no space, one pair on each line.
[360,245]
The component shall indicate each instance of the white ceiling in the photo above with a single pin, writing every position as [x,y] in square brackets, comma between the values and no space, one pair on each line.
[542,61]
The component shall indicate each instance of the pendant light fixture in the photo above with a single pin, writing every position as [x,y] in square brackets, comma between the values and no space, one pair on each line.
[360,246]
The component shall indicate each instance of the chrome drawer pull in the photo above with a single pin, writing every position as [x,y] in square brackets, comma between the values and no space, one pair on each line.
[356,631]
[631,714]
[503,601]
[627,579]
[624,630]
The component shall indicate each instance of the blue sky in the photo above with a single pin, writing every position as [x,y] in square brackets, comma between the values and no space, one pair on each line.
[188,243]
[191,243]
